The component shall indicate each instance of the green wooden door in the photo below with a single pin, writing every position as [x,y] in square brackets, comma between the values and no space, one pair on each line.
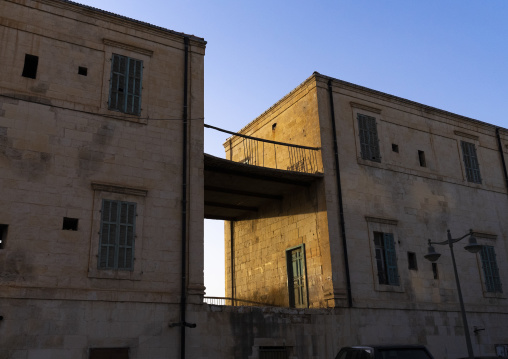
[296,277]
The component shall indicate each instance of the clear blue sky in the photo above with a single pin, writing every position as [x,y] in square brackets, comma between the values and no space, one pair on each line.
[452,55]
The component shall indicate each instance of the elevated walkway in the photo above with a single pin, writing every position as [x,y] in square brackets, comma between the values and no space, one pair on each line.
[236,190]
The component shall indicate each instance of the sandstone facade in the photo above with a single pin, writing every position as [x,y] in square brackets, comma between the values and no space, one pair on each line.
[67,151]
[414,185]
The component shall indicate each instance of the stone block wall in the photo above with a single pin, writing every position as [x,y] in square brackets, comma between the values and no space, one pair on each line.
[69,329]
[261,241]
[416,202]
[295,121]
[260,246]
[320,333]
[63,151]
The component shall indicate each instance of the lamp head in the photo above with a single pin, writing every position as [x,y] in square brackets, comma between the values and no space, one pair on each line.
[473,246]
[432,255]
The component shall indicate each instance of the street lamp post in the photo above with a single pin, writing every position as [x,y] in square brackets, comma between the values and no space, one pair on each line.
[433,256]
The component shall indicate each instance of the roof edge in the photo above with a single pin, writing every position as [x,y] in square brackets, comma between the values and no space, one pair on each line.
[111,14]
[404,101]
[344,84]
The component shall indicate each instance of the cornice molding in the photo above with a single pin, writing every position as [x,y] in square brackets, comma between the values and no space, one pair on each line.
[106,187]
[127,47]
[365,107]
[392,222]
[485,235]
[340,84]
[467,135]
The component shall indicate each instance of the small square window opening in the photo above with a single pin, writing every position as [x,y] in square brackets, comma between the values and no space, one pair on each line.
[82,71]
[395,148]
[3,235]
[30,66]
[421,158]
[411,260]
[274,126]
[103,353]
[434,271]
[70,224]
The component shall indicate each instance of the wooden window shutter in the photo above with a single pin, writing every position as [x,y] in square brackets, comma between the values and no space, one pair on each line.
[125,84]
[117,233]
[471,162]
[134,86]
[490,269]
[369,142]
[391,259]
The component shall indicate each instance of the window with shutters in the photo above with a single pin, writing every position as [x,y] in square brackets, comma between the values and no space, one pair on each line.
[125,84]
[471,162]
[369,142]
[117,233]
[490,270]
[386,259]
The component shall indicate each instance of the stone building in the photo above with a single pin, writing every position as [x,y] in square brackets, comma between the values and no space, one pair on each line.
[394,173]
[103,191]
[101,124]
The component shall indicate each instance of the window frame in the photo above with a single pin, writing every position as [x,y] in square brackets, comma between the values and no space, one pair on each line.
[118,226]
[290,277]
[368,137]
[386,259]
[490,269]
[117,193]
[384,225]
[119,100]
[471,162]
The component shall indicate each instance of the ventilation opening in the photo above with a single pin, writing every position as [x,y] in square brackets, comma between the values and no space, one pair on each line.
[421,158]
[395,148]
[30,67]
[274,126]
[411,260]
[434,271]
[3,235]
[70,224]
[82,71]
[273,353]
[109,353]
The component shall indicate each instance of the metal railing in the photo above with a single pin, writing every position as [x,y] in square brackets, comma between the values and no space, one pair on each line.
[235,302]
[279,155]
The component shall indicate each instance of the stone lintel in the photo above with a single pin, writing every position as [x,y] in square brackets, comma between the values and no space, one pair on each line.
[106,187]
[485,235]
[392,222]
[128,47]
[467,135]
[365,107]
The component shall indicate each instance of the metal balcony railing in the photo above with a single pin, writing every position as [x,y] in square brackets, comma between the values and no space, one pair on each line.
[235,302]
[279,155]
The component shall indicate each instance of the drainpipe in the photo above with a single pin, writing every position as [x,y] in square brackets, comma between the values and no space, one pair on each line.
[500,146]
[183,299]
[339,195]
[232,265]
